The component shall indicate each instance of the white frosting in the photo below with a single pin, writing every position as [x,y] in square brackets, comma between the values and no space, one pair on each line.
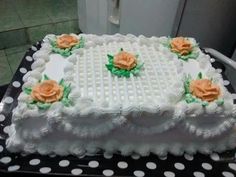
[141,114]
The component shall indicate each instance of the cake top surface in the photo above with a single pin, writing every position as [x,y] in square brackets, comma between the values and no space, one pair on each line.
[154,74]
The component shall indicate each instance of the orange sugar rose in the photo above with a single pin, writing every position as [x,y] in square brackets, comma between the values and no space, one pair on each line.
[205,89]
[48,91]
[181,45]
[66,41]
[125,60]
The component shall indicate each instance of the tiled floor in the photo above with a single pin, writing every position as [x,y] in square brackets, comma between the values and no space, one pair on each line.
[24,22]
[27,13]
[28,21]
[9,61]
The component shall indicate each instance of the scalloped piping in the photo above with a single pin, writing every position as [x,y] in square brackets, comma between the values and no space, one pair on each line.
[210,133]
[80,149]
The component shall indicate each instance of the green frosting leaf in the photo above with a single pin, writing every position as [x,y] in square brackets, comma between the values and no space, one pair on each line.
[27,90]
[66,92]
[191,55]
[110,58]
[66,102]
[187,84]
[189,98]
[45,77]
[220,102]
[43,105]
[62,83]
[205,103]
[30,105]
[122,72]
[109,66]
[199,76]
[68,51]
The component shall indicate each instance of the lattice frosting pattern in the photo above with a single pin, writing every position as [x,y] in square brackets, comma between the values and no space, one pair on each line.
[151,85]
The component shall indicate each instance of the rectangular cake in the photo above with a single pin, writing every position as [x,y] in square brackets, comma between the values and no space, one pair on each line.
[122,93]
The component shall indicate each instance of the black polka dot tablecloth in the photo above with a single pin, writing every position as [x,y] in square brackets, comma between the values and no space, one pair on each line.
[102,164]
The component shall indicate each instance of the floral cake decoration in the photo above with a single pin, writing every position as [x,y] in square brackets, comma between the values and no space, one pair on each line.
[184,48]
[48,91]
[66,43]
[202,90]
[124,64]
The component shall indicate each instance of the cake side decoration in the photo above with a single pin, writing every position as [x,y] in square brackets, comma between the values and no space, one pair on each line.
[48,91]
[66,41]
[181,46]
[123,64]
[65,44]
[202,91]
[184,48]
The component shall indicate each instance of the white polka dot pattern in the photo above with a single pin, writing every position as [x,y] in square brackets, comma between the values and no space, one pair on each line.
[6,129]
[179,166]
[5,160]
[13,168]
[2,117]
[232,166]
[1,148]
[163,157]
[226,82]
[93,164]
[108,172]
[34,162]
[169,174]
[227,174]
[34,48]
[45,170]
[23,70]
[215,157]
[122,164]
[135,156]
[139,173]
[64,163]
[8,100]
[151,165]
[16,84]
[107,155]
[76,171]
[52,155]
[188,157]
[198,174]
[29,58]
[206,166]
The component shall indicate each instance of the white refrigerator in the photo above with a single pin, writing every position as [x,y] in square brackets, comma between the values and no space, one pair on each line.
[146,17]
